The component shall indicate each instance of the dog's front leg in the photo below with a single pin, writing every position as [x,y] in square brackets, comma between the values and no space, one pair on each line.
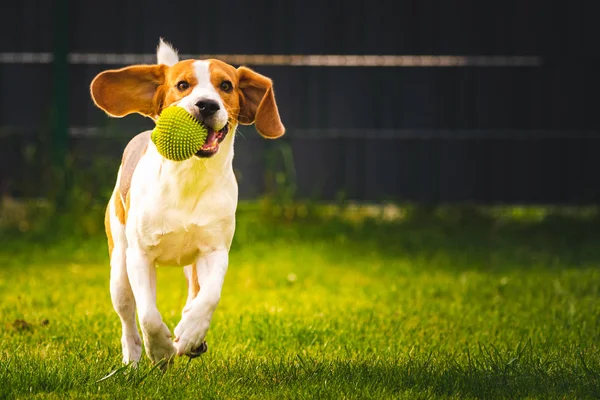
[142,277]
[191,330]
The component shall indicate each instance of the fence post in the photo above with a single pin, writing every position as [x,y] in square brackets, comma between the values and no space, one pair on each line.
[60,121]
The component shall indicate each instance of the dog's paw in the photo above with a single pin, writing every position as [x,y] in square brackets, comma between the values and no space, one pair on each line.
[159,346]
[132,349]
[189,338]
[163,353]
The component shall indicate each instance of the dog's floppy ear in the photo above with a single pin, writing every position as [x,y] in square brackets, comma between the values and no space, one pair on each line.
[257,104]
[135,89]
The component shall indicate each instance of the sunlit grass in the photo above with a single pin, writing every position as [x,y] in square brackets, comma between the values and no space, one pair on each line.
[326,310]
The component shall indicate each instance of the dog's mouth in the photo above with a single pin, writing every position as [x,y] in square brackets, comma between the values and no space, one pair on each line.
[211,146]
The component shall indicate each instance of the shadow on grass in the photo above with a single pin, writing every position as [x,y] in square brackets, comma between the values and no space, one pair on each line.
[455,238]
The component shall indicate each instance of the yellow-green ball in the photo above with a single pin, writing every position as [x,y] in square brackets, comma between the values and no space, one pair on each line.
[178,135]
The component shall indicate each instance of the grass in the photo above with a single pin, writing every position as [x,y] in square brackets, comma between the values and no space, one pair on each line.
[424,308]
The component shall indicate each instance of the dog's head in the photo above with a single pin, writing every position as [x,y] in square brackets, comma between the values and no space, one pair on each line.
[214,92]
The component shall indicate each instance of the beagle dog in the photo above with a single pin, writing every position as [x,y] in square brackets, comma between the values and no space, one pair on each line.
[177,213]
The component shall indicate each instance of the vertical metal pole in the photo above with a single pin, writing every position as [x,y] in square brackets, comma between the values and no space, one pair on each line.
[60,124]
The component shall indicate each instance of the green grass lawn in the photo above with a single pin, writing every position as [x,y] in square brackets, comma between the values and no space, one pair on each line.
[312,309]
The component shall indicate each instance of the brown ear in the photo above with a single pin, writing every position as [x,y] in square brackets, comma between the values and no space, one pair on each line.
[257,104]
[127,90]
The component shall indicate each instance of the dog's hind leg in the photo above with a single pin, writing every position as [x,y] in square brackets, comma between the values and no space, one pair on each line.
[120,289]
[191,275]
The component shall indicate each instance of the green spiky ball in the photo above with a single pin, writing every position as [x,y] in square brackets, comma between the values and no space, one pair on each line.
[178,135]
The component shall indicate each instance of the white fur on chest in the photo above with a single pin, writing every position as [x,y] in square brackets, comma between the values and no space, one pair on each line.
[178,210]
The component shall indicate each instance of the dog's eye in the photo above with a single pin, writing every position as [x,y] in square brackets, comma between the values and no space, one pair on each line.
[226,86]
[183,85]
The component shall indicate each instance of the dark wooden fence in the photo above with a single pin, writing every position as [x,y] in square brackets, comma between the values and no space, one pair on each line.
[489,130]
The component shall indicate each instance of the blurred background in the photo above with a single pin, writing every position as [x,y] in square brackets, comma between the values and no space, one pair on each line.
[384,101]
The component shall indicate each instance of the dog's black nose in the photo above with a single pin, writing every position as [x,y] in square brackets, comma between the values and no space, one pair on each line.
[207,107]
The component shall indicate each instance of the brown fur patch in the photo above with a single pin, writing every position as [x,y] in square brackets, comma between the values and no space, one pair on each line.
[119,207]
[109,237]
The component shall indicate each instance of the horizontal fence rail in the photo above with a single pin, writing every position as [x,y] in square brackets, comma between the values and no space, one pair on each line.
[290,60]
